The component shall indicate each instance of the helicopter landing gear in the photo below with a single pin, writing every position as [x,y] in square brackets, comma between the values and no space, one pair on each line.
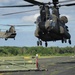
[14,38]
[39,43]
[6,39]
[69,41]
[46,44]
[64,40]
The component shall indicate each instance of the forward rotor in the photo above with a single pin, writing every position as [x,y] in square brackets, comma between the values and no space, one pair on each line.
[55,3]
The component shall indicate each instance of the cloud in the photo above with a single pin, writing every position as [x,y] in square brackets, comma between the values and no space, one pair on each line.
[30,18]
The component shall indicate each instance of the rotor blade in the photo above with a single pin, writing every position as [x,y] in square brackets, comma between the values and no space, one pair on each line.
[66,1]
[71,4]
[16,6]
[18,12]
[15,25]
[34,2]
[20,25]
[2,29]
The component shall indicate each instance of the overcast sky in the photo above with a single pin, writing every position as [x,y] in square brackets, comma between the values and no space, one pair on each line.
[25,35]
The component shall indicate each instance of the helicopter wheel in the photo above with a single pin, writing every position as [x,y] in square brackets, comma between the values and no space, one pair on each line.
[37,43]
[62,41]
[40,43]
[14,38]
[69,41]
[65,41]
[6,39]
[46,44]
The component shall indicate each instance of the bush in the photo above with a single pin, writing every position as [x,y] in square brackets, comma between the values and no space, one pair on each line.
[9,51]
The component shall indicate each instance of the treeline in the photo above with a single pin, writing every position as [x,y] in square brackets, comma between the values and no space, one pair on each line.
[42,51]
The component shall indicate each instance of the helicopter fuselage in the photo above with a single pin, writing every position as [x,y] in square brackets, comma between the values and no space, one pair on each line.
[52,29]
[11,33]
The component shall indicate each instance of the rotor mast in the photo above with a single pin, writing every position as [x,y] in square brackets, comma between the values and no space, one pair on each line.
[56,8]
[44,12]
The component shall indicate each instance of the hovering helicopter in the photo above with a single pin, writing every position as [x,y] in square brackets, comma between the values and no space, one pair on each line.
[11,33]
[50,26]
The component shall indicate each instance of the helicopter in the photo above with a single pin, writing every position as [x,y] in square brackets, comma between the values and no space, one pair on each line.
[11,33]
[49,25]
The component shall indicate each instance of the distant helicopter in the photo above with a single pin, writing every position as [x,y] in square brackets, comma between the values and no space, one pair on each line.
[50,26]
[11,33]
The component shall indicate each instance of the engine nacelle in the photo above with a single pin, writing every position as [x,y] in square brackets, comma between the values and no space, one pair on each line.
[64,19]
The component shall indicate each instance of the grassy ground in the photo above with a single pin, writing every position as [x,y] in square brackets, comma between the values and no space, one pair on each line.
[29,57]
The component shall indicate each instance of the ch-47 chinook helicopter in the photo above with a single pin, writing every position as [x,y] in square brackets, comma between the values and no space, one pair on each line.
[11,33]
[50,26]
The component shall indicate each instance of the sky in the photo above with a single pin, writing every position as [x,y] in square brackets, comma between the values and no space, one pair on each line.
[25,35]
